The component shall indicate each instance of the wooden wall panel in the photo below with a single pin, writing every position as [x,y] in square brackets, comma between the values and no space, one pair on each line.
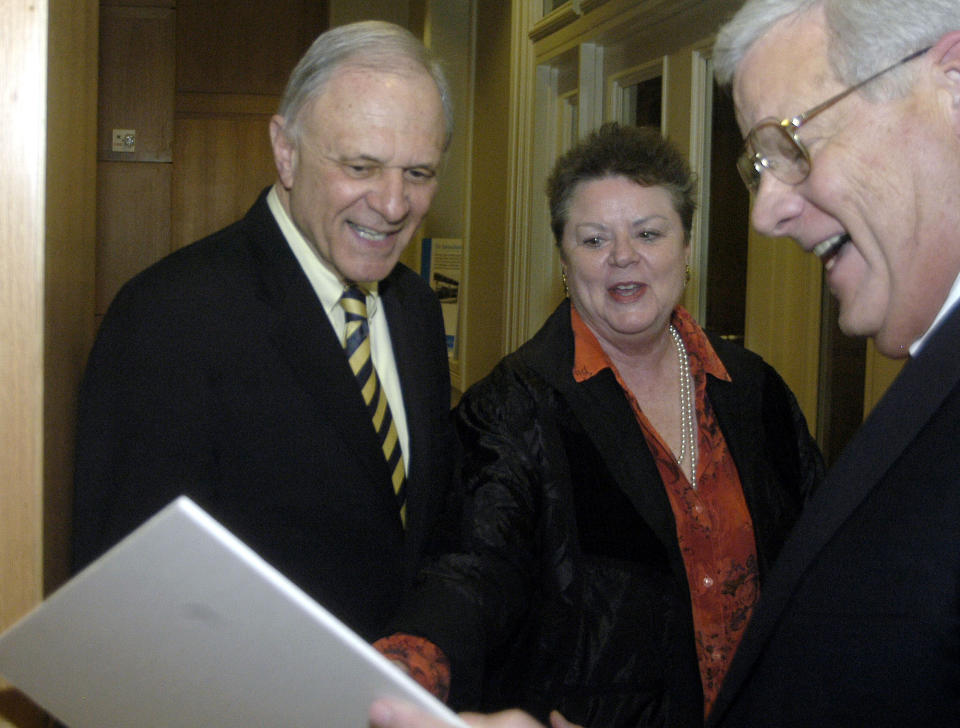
[140,3]
[137,81]
[242,47]
[483,316]
[395,11]
[233,60]
[48,84]
[133,223]
[23,70]
[783,315]
[222,164]
[69,252]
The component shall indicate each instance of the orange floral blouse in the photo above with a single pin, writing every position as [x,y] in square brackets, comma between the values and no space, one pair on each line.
[714,528]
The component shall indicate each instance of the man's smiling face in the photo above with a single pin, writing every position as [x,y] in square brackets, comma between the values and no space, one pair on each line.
[361,174]
[882,175]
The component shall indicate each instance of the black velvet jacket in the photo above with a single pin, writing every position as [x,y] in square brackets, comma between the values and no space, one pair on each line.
[571,591]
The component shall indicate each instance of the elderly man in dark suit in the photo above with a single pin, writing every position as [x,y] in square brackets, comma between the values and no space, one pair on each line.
[851,116]
[860,621]
[227,370]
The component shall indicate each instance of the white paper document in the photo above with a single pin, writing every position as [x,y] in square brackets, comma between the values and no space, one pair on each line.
[181,624]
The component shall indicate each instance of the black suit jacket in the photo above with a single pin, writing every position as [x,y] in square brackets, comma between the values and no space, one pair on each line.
[571,592]
[216,373]
[859,622]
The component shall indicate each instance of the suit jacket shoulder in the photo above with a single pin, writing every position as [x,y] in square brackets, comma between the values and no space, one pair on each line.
[859,623]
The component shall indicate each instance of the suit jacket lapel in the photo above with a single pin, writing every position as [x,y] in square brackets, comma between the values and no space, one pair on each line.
[608,420]
[307,341]
[606,416]
[910,402]
[302,333]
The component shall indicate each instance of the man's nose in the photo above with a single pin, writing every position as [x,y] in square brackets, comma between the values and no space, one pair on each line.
[775,206]
[389,195]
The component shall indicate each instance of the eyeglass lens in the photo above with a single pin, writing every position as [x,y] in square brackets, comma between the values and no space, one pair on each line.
[772,147]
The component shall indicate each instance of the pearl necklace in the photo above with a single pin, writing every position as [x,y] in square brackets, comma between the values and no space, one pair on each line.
[688,422]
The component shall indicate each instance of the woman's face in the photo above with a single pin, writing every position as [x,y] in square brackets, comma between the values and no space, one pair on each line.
[625,254]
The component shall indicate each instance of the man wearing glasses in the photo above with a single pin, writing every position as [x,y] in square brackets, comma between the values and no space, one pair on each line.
[859,622]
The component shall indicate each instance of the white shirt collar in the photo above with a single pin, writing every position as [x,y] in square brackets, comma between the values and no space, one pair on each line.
[952,298]
[323,280]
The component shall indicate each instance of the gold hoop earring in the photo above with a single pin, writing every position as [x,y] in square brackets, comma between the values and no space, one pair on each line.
[686,276]
[563,277]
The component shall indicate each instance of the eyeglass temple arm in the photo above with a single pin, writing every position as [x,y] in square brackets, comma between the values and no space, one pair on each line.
[810,113]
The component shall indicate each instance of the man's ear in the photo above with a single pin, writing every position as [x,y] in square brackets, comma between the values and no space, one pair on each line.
[946,55]
[284,151]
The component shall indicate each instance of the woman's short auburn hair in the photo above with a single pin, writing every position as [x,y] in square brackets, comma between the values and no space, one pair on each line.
[640,154]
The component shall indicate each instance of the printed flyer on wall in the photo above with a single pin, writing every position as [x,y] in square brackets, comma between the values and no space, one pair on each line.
[441,261]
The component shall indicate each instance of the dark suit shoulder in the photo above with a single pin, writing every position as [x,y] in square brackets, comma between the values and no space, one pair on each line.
[408,286]
[238,256]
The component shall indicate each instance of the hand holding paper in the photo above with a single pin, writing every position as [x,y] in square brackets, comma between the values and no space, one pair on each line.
[391,713]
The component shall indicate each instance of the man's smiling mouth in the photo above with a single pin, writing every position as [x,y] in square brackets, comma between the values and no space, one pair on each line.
[827,249]
[368,234]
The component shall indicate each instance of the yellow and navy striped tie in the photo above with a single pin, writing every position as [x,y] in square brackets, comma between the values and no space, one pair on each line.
[357,346]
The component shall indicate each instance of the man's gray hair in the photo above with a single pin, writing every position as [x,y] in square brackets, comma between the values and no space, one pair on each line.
[372,44]
[864,36]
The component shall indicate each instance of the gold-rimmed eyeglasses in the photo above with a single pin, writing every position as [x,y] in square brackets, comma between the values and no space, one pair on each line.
[773,146]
